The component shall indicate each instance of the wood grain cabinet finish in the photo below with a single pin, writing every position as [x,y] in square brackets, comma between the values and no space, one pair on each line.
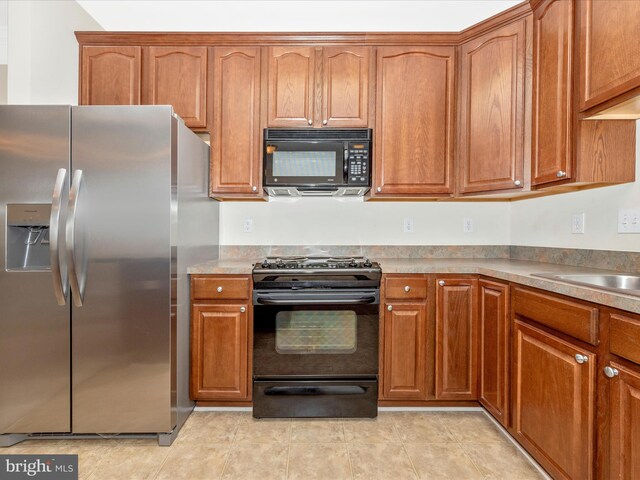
[110,75]
[495,344]
[219,352]
[404,365]
[609,50]
[456,339]
[236,151]
[624,423]
[413,140]
[553,402]
[552,129]
[177,76]
[492,110]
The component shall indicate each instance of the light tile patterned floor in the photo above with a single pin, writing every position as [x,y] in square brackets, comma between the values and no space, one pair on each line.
[396,445]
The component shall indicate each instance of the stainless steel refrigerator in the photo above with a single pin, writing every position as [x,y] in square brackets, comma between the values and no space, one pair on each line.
[102,209]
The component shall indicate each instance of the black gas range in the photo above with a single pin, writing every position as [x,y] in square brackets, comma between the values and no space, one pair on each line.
[316,324]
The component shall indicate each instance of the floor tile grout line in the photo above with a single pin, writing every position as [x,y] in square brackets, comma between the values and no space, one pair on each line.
[415,470]
[231,445]
[163,461]
[350,462]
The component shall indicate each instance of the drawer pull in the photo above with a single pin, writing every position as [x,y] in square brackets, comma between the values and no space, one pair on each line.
[611,372]
[219,289]
[407,288]
[581,358]
[243,309]
[441,283]
[390,308]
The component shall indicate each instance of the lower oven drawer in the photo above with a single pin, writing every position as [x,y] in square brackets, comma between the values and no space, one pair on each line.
[315,398]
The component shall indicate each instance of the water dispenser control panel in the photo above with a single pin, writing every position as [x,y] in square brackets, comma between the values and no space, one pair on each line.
[28,214]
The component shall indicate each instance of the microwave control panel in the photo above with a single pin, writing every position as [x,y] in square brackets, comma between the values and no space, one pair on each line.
[359,167]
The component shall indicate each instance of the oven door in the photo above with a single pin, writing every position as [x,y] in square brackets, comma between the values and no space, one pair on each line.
[315,334]
[300,163]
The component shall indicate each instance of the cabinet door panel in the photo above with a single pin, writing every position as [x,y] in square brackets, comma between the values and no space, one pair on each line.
[178,76]
[625,424]
[553,404]
[110,76]
[291,86]
[235,134]
[492,110]
[551,147]
[405,358]
[219,352]
[414,120]
[345,86]
[456,339]
[609,50]
[494,349]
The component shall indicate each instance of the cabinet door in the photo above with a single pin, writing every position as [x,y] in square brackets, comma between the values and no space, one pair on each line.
[413,151]
[609,49]
[494,349]
[219,352]
[492,110]
[235,133]
[345,86]
[110,76]
[551,146]
[291,86]
[456,339]
[178,76]
[553,402]
[404,370]
[624,458]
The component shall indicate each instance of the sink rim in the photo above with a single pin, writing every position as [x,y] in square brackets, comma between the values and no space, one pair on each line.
[570,278]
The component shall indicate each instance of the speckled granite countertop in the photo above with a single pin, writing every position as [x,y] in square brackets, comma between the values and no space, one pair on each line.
[517,271]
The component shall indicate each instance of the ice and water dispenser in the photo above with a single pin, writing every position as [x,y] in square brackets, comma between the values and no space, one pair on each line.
[28,236]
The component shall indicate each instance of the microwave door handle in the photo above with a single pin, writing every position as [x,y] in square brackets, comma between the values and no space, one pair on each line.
[346,161]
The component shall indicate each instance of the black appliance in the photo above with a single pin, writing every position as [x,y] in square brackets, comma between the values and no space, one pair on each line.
[317,162]
[316,330]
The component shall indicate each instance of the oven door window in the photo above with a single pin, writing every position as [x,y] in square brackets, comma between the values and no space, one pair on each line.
[316,332]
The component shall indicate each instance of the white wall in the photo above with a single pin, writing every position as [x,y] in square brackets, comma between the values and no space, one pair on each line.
[546,221]
[43,51]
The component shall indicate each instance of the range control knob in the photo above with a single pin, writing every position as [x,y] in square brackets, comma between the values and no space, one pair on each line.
[367,263]
[266,264]
[353,264]
[279,263]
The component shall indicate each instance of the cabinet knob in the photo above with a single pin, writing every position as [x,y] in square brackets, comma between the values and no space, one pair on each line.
[407,288]
[561,174]
[441,283]
[581,358]
[611,372]
[379,189]
[243,309]
[324,122]
[517,183]
[390,308]
[310,122]
[219,289]
[254,188]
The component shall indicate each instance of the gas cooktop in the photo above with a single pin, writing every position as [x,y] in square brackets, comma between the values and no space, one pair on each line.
[316,263]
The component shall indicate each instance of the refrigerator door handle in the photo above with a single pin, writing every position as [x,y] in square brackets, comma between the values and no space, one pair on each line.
[58,268]
[77,285]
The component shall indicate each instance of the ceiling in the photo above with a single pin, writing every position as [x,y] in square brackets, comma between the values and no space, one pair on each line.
[296,16]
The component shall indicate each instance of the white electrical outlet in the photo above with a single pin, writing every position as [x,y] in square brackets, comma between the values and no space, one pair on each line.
[407,225]
[629,221]
[577,223]
[467,225]
[248,225]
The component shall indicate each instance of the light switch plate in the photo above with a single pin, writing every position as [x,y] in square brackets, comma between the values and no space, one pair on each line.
[407,225]
[467,225]
[629,220]
[248,225]
[577,223]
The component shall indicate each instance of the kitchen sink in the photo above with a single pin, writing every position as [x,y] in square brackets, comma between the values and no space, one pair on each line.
[628,284]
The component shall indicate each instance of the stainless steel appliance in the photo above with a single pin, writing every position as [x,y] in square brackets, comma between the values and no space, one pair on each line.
[315,337]
[317,162]
[101,211]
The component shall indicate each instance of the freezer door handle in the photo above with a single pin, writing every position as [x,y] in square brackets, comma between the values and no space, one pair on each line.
[58,266]
[77,282]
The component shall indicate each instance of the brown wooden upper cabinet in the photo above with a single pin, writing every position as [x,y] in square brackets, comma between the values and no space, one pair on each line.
[609,50]
[178,76]
[318,87]
[492,110]
[110,75]
[413,138]
[235,131]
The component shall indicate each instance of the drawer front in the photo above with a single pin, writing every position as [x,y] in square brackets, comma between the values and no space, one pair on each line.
[220,288]
[624,337]
[560,313]
[399,288]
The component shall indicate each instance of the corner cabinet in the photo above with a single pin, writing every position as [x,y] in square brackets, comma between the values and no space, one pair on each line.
[413,140]
[221,338]
[492,110]
[110,75]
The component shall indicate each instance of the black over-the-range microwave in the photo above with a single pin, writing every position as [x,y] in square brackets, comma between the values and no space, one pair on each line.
[317,162]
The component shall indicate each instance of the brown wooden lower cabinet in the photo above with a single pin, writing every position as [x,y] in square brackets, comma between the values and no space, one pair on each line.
[494,348]
[456,338]
[553,401]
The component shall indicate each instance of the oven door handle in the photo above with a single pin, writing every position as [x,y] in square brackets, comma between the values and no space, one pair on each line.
[328,390]
[266,300]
